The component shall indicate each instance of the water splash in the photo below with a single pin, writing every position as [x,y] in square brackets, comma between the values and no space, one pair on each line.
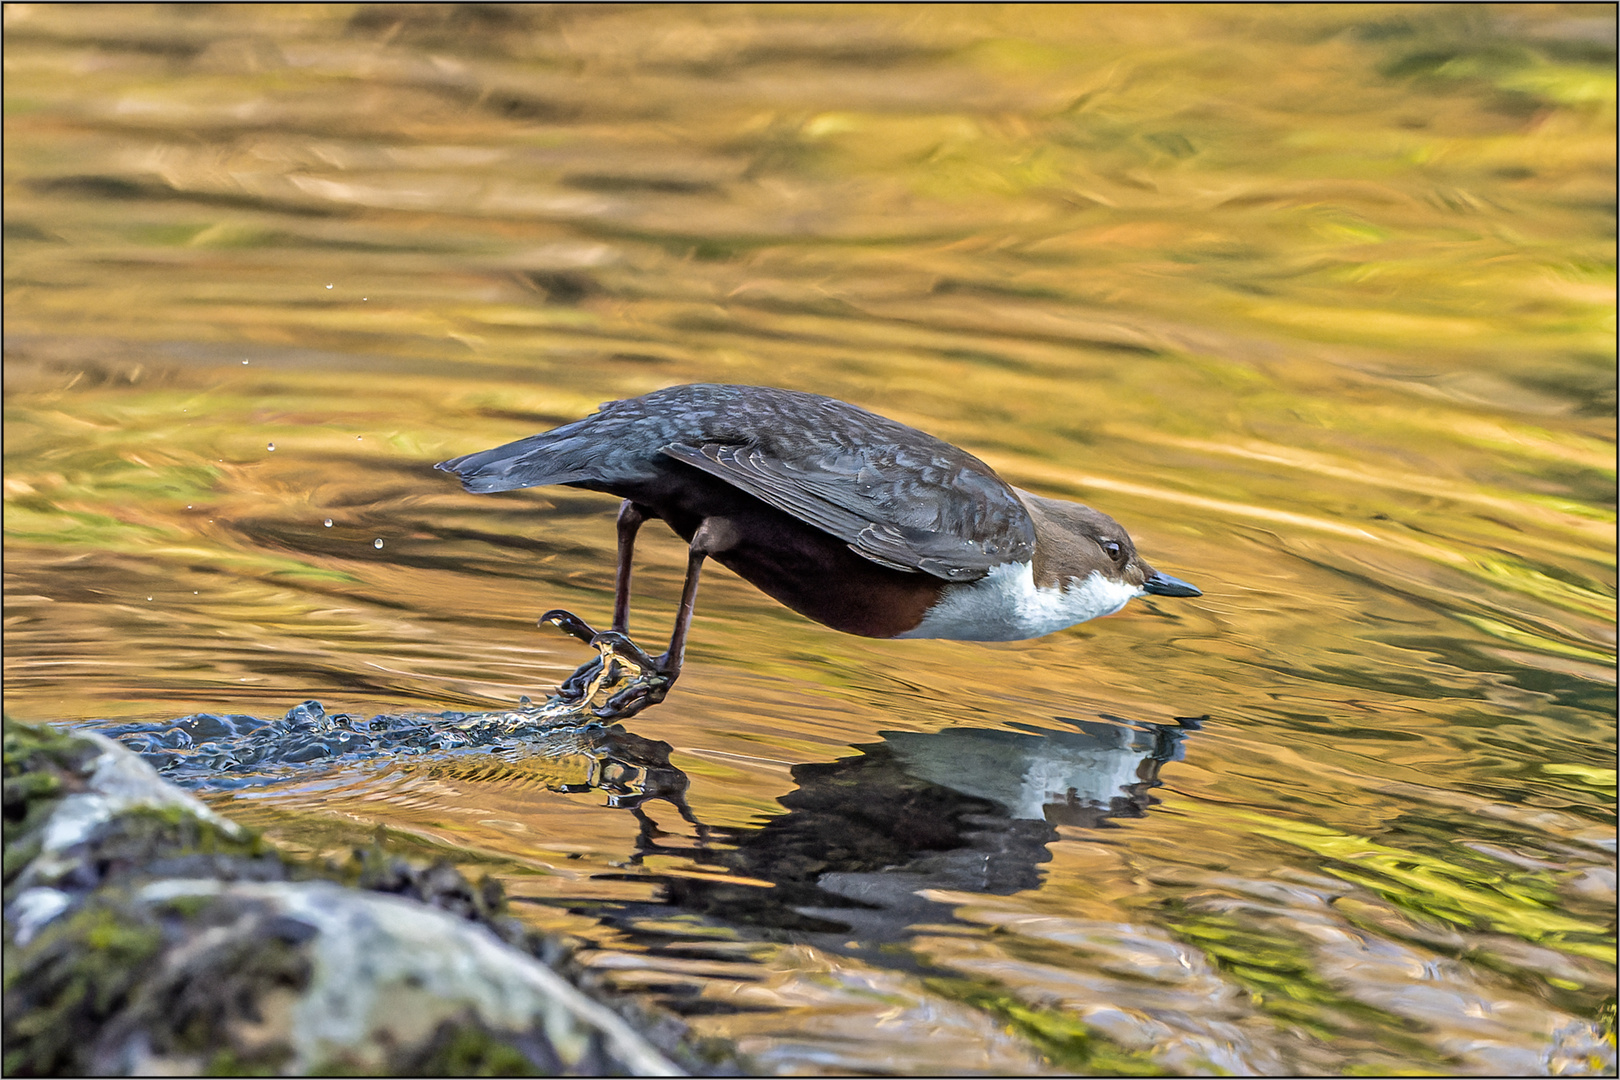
[230,750]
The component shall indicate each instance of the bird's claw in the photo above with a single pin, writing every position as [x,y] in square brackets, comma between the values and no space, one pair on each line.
[569,623]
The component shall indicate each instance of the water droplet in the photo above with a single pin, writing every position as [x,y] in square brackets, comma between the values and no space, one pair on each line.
[357,438]
[244,363]
[329,286]
[377,543]
[148,599]
[272,446]
[328,523]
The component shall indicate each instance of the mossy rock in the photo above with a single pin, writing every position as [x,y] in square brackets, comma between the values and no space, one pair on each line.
[158,937]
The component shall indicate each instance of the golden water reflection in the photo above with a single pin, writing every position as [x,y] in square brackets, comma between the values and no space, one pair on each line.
[1317,301]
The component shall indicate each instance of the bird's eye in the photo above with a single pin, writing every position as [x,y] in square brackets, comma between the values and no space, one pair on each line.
[1113,549]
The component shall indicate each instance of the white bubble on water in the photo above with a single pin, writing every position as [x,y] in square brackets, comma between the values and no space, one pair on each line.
[328,523]
[377,543]
[272,446]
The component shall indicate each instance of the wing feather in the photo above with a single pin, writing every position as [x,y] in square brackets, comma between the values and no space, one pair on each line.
[943,514]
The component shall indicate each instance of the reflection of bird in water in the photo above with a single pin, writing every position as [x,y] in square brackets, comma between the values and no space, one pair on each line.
[864,839]
[1084,777]
[632,771]
[858,522]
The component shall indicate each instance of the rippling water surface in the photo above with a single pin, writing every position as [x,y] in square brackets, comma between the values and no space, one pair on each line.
[1317,301]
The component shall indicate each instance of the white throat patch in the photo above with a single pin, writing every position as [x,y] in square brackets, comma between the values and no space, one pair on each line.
[1007,605]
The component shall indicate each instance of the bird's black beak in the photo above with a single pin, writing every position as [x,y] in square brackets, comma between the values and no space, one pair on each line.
[1164,585]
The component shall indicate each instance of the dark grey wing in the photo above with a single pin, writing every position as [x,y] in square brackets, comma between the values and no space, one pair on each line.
[920,506]
[895,495]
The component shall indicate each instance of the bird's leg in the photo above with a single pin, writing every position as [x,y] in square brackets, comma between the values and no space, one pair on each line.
[710,537]
[574,688]
[630,518]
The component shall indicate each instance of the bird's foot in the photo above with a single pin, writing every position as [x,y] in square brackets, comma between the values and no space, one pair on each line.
[648,685]
[582,685]
[641,693]
[632,678]
[614,645]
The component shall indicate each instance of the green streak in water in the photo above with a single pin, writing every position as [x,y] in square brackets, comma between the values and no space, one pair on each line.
[1525,904]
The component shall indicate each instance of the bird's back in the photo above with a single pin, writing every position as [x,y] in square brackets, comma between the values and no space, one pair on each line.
[897,496]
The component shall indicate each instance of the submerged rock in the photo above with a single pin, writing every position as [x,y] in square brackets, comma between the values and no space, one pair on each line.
[147,934]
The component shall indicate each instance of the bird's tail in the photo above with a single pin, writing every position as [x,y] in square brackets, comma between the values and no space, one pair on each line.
[561,456]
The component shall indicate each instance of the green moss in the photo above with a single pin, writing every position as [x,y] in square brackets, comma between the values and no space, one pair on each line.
[30,786]
[196,1007]
[40,767]
[150,832]
[230,1063]
[471,1050]
[31,749]
[188,907]
[18,854]
[94,978]
[438,884]
[69,981]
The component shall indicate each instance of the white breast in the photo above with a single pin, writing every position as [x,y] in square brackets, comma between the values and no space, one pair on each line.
[1007,605]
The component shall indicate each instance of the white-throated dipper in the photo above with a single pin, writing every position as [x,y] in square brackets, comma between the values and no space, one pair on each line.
[858,522]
